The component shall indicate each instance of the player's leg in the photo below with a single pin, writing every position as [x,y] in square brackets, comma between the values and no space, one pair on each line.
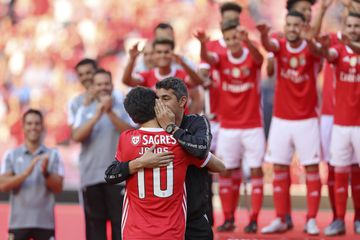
[230,154]
[279,152]
[254,150]
[95,212]
[114,196]
[355,193]
[326,124]
[341,153]
[355,177]
[308,149]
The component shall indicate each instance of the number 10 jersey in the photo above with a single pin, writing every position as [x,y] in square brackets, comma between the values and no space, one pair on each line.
[155,199]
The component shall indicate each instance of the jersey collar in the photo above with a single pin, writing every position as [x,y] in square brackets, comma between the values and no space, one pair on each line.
[239,60]
[161,77]
[145,129]
[298,49]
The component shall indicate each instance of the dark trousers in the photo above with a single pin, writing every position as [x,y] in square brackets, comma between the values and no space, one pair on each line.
[31,233]
[103,202]
[198,229]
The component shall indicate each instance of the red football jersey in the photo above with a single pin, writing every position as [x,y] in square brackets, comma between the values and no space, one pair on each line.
[347,88]
[151,77]
[295,91]
[218,47]
[327,105]
[239,105]
[155,199]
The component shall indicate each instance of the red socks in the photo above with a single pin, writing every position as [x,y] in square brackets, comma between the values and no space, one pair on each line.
[313,185]
[281,189]
[331,185]
[226,196]
[256,197]
[236,177]
[341,190]
[355,190]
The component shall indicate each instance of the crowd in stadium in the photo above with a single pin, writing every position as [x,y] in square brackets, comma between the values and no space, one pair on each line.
[155,119]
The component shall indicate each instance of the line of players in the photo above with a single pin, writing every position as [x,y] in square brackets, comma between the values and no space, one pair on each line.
[233,65]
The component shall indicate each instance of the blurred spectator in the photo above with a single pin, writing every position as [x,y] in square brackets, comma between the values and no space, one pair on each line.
[97,127]
[32,173]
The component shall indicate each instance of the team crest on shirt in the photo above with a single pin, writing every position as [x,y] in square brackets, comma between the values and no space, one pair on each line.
[294,62]
[135,140]
[302,60]
[353,61]
[245,71]
[236,72]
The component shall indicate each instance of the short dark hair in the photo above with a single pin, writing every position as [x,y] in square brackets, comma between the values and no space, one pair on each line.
[290,3]
[164,41]
[296,14]
[86,61]
[229,25]
[163,25]
[101,70]
[139,104]
[230,6]
[354,14]
[32,111]
[176,84]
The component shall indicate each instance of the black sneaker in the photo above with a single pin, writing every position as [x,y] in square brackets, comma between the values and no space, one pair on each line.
[251,227]
[289,222]
[228,226]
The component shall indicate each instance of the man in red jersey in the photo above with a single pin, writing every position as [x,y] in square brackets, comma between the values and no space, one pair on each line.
[304,7]
[228,11]
[294,113]
[155,198]
[345,139]
[239,116]
[163,58]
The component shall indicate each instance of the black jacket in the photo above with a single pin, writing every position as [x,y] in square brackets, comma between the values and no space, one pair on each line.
[195,137]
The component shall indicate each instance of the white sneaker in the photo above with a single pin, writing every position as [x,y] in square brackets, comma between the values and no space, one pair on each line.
[311,227]
[275,226]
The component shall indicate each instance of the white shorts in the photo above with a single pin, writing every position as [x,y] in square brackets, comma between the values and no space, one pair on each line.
[235,145]
[288,136]
[215,133]
[345,145]
[326,125]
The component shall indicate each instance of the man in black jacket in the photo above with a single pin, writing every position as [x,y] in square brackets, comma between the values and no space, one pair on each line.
[194,135]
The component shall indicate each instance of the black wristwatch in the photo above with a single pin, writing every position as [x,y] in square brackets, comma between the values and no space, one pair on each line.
[170,128]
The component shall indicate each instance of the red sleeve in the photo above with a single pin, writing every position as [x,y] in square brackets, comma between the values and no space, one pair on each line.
[142,76]
[199,163]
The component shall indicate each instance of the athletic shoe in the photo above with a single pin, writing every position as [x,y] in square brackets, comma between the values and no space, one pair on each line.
[337,227]
[275,226]
[228,226]
[251,227]
[289,222]
[311,227]
[357,226]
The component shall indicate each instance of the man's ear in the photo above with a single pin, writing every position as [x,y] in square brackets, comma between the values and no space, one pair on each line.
[183,101]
